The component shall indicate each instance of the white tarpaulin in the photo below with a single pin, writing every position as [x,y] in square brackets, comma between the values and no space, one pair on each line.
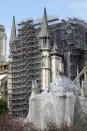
[2,76]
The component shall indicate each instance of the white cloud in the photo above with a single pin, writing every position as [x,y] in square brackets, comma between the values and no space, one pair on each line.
[67,6]
[78,8]
[78,5]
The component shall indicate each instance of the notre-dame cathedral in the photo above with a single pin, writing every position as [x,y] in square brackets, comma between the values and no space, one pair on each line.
[42,50]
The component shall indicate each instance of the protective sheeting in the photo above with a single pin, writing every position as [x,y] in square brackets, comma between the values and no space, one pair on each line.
[2,76]
[56,104]
[63,84]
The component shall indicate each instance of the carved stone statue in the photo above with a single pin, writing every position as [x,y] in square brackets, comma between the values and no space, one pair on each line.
[34,87]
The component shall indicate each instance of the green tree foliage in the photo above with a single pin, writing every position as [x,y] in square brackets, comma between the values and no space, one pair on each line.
[3,107]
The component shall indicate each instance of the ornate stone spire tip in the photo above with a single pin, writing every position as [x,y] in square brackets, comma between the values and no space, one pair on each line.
[44,30]
[13,30]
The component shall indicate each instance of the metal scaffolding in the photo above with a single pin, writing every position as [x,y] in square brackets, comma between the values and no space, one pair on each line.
[26,56]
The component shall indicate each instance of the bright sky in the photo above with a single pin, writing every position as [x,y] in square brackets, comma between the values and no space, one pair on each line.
[23,9]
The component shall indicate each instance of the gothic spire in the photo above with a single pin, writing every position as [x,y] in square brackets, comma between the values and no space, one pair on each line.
[44,30]
[13,30]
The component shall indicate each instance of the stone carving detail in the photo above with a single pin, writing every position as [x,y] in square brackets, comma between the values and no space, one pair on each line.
[43,61]
[34,87]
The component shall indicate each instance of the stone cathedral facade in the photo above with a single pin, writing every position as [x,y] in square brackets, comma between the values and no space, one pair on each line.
[3,64]
[40,52]
[3,38]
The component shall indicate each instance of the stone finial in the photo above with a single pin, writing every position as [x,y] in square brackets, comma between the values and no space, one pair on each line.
[13,30]
[44,30]
[61,68]
[55,49]
[34,87]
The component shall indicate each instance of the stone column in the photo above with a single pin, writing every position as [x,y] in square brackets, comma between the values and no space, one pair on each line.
[45,69]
